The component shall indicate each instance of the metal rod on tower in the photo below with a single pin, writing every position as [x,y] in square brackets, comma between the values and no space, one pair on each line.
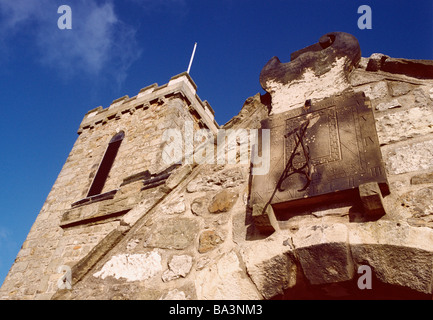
[192,57]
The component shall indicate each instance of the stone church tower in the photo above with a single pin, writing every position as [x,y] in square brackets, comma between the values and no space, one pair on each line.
[325,178]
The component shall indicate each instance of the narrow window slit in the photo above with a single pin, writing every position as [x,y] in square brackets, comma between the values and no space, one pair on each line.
[106,164]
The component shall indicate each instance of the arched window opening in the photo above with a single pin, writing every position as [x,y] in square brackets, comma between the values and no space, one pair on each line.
[106,164]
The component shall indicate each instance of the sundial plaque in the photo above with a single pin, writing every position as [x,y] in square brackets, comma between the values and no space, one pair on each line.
[319,152]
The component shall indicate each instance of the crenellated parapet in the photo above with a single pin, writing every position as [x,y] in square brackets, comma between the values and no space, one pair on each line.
[180,86]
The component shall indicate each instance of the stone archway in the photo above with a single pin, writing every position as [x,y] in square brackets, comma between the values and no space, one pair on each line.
[322,261]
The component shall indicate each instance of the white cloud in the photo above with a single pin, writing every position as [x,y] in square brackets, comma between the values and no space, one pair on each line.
[19,11]
[98,41]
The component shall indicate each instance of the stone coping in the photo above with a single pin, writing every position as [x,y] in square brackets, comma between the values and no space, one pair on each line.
[181,86]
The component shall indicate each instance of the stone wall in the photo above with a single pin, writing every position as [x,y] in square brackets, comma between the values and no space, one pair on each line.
[70,225]
[201,241]
[187,243]
[403,108]
[195,234]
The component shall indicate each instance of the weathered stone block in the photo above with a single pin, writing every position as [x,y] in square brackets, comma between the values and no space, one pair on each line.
[179,266]
[173,233]
[225,280]
[371,198]
[404,124]
[176,206]
[198,206]
[324,253]
[422,97]
[375,62]
[264,220]
[219,179]
[397,88]
[223,201]
[174,295]
[150,198]
[388,105]
[177,177]
[132,267]
[421,69]
[410,158]
[397,253]
[271,266]
[208,241]
[422,178]
[359,77]
[375,90]
[419,202]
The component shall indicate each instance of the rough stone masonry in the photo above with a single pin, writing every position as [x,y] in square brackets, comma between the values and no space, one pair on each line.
[191,231]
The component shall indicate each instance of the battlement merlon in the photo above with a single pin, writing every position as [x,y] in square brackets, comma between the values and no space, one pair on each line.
[181,84]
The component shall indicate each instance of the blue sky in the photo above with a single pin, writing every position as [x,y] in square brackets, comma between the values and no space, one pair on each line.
[49,78]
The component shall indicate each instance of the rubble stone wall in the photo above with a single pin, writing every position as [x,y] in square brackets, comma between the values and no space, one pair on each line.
[64,232]
[194,236]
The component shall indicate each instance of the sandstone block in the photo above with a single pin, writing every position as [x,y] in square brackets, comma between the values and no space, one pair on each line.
[223,201]
[179,266]
[422,178]
[388,105]
[198,206]
[178,176]
[176,206]
[410,158]
[421,69]
[371,198]
[397,89]
[225,280]
[132,267]
[417,222]
[324,253]
[149,198]
[264,220]
[397,253]
[419,202]
[271,266]
[173,233]
[404,124]
[359,77]
[422,98]
[220,179]
[375,90]
[175,295]
[208,241]
[375,62]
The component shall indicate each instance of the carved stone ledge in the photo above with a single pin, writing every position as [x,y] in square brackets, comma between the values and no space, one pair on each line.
[97,218]
[158,179]
[415,68]
[95,198]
